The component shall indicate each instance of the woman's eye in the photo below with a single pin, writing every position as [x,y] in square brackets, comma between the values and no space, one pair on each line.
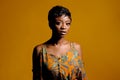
[57,23]
[68,24]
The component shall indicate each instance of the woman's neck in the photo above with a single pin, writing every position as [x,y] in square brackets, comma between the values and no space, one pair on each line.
[56,40]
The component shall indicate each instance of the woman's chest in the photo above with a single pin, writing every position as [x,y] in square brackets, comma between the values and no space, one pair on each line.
[68,61]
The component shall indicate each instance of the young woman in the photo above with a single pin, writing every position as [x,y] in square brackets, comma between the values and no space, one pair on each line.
[58,58]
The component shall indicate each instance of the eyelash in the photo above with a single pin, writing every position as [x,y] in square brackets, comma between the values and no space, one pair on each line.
[67,23]
[58,23]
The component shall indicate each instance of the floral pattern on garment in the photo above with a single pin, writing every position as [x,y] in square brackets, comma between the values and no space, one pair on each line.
[68,67]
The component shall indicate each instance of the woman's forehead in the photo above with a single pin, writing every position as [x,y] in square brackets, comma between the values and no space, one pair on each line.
[63,18]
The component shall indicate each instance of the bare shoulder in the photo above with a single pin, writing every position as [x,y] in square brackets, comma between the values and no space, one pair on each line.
[37,49]
[77,45]
[78,48]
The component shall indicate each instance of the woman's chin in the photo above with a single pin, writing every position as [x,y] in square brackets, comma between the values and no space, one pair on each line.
[62,35]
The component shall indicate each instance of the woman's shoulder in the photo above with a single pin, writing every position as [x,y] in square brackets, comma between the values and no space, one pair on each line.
[37,49]
[77,46]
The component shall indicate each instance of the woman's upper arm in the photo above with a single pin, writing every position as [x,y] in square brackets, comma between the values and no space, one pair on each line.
[36,51]
[36,63]
[36,56]
[78,48]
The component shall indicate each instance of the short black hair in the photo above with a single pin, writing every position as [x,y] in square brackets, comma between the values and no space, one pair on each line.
[57,11]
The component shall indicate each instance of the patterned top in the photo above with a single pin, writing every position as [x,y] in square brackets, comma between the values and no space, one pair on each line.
[68,67]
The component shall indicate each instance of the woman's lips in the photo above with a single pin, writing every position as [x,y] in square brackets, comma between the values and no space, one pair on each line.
[63,32]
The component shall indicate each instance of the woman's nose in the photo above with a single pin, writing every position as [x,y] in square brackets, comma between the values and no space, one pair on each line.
[63,26]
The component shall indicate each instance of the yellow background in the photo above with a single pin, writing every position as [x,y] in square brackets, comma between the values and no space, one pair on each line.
[96,26]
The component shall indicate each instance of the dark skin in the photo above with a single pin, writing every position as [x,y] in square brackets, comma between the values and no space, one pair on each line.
[57,45]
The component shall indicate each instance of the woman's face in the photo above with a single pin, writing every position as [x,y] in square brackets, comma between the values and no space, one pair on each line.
[62,25]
